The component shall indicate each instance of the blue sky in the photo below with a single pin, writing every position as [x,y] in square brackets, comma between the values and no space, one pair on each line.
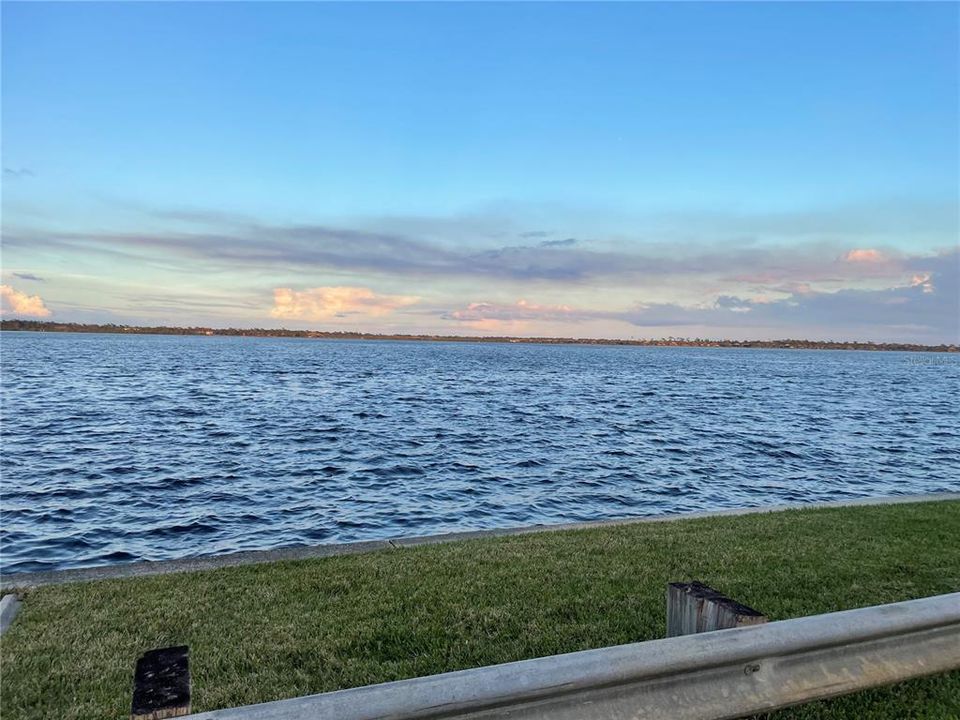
[630,170]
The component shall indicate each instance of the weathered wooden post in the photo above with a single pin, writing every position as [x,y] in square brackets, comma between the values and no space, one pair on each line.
[694,608]
[161,684]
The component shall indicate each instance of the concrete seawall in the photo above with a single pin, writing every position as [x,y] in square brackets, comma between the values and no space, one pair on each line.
[163,567]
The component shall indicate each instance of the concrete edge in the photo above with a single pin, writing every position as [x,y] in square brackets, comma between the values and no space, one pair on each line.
[23,581]
[9,607]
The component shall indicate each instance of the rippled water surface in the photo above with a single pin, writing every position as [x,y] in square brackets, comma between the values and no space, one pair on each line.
[117,448]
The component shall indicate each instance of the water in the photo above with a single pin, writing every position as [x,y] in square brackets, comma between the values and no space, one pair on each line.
[119,448]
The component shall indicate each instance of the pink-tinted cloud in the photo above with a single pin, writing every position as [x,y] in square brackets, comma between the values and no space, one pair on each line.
[793,288]
[324,303]
[923,281]
[865,255]
[813,264]
[924,306]
[520,310]
[512,317]
[18,303]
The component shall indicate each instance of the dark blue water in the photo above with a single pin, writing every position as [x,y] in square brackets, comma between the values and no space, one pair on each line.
[118,448]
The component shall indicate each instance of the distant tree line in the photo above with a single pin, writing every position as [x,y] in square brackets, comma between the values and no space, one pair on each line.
[48,326]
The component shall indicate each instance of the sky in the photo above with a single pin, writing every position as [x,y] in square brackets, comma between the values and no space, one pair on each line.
[718,170]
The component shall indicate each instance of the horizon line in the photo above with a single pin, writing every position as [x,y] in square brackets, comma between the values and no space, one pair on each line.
[203,330]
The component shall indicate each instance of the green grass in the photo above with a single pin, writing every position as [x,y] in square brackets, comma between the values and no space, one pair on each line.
[272,631]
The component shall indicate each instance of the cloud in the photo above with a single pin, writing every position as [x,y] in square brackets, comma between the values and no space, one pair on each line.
[653,281]
[514,318]
[922,280]
[28,276]
[324,303]
[925,306]
[303,249]
[18,172]
[793,288]
[520,310]
[18,303]
[865,256]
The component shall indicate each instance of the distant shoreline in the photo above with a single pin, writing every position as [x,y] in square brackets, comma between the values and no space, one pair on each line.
[786,344]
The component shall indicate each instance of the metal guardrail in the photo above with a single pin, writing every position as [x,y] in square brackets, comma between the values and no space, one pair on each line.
[721,674]
[9,607]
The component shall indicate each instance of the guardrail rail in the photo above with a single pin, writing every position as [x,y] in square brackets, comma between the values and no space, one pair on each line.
[720,674]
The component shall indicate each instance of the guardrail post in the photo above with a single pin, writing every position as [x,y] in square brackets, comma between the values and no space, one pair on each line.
[161,684]
[694,608]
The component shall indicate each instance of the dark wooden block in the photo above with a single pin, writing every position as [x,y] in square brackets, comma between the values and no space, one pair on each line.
[694,608]
[161,684]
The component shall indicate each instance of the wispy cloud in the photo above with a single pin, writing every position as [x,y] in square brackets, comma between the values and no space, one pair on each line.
[28,276]
[21,304]
[233,243]
[641,281]
[17,173]
[324,303]
[927,303]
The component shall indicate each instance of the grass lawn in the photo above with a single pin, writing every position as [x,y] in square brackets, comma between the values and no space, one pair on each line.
[271,631]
